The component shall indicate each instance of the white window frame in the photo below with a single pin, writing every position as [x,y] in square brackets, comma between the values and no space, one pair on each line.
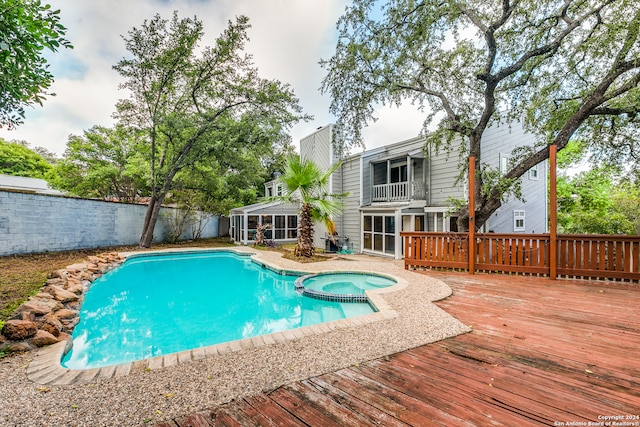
[519,220]
[533,173]
[504,163]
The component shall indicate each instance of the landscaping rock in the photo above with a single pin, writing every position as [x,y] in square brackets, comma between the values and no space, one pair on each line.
[69,324]
[51,324]
[44,295]
[77,268]
[63,336]
[57,281]
[62,274]
[40,306]
[65,313]
[74,285]
[73,305]
[60,293]
[43,338]
[50,316]
[18,330]
[25,315]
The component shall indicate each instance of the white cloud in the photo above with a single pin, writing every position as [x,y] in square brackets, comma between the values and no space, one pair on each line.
[287,40]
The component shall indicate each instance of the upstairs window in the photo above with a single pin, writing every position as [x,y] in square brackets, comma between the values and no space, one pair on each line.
[504,163]
[518,220]
[533,173]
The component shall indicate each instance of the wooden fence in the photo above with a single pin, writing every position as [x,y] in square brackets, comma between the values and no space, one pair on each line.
[578,255]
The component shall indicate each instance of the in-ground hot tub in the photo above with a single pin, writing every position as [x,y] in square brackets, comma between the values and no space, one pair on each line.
[341,286]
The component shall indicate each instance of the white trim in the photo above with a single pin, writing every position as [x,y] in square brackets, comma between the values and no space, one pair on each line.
[519,215]
[506,159]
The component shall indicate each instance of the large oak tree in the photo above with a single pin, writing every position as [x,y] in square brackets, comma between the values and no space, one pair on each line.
[184,98]
[564,68]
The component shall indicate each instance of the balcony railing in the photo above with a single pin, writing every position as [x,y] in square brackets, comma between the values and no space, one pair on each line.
[399,191]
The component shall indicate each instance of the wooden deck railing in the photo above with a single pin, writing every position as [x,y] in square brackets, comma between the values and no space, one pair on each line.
[589,256]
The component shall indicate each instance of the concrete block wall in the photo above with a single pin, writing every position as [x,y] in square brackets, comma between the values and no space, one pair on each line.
[32,223]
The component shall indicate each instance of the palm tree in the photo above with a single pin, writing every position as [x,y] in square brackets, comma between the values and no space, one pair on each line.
[306,184]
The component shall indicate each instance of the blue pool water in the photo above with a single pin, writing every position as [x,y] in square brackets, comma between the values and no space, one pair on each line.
[154,305]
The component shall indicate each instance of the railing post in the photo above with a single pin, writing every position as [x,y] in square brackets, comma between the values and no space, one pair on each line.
[553,209]
[472,214]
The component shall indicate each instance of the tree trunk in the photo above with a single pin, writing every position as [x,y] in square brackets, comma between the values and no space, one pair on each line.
[150,219]
[305,233]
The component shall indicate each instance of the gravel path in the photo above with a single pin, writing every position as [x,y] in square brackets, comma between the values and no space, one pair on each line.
[159,394]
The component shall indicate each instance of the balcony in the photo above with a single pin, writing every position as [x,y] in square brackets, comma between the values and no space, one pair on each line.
[399,191]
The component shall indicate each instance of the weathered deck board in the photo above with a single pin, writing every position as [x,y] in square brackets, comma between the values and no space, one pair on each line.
[541,352]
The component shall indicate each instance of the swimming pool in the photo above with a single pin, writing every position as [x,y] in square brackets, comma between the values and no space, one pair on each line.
[157,304]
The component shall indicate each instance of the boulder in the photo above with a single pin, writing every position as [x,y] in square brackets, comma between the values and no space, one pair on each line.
[60,293]
[57,281]
[65,313]
[39,306]
[25,315]
[69,324]
[76,268]
[62,274]
[51,324]
[63,337]
[43,338]
[75,287]
[44,295]
[73,305]
[18,330]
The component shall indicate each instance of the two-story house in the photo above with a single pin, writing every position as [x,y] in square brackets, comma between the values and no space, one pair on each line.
[404,186]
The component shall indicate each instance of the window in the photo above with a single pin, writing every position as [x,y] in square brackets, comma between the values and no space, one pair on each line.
[518,221]
[504,163]
[252,225]
[279,227]
[399,173]
[279,189]
[533,173]
[379,233]
[292,226]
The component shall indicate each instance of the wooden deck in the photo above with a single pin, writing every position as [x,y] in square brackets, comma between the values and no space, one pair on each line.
[541,352]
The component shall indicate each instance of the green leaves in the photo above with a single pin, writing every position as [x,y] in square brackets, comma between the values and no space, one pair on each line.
[598,201]
[104,163]
[17,159]
[27,28]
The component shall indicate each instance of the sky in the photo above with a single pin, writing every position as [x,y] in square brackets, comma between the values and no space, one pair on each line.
[288,38]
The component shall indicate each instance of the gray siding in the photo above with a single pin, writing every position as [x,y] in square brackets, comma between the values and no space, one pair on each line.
[501,141]
[349,223]
[318,147]
[442,176]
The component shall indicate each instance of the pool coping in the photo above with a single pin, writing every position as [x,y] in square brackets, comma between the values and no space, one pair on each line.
[46,369]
